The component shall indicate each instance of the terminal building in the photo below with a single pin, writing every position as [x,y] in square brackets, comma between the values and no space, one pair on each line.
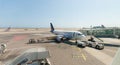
[102,32]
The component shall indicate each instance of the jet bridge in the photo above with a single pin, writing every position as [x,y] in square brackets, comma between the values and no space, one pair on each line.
[34,56]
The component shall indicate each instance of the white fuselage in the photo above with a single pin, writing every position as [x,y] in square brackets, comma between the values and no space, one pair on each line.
[70,34]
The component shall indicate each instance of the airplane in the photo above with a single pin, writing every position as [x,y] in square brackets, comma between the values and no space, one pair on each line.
[66,35]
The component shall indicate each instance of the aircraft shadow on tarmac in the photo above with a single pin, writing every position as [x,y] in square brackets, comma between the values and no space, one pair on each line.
[72,43]
[108,44]
[67,42]
[51,41]
[112,45]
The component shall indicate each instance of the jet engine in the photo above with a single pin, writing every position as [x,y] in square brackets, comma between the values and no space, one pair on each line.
[59,39]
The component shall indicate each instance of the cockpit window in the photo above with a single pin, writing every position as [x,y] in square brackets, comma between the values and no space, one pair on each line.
[79,34]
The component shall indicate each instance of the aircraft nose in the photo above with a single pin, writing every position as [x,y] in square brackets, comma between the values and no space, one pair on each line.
[83,35]
[83,38]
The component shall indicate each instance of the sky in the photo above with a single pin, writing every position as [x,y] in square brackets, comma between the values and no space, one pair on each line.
[62,13]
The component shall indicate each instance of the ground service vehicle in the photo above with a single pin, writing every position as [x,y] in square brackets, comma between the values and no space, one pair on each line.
[96,45]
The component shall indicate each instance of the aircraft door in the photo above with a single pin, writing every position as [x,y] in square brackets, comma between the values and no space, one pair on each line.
[74,35]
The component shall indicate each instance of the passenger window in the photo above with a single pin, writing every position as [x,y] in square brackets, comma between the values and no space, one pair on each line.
[79,34]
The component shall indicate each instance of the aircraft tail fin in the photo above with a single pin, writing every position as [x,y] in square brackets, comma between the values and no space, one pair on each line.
[52,28]
[8,29]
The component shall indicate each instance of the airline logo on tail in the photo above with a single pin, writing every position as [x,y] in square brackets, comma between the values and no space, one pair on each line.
[52,28]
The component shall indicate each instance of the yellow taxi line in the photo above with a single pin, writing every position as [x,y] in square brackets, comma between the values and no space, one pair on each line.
[83,56]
